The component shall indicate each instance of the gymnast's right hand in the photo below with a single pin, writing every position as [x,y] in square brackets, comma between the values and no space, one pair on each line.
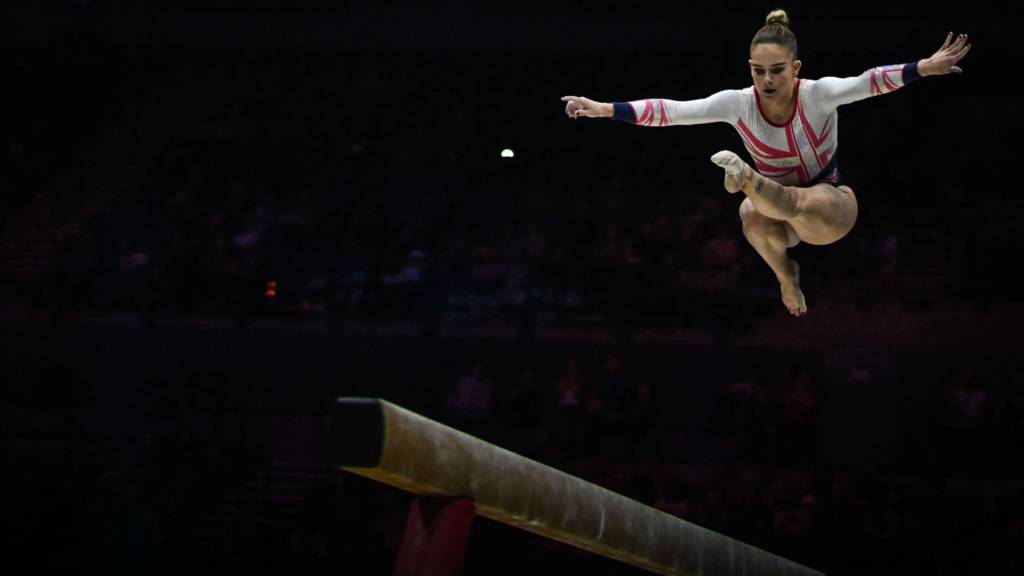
[578,106]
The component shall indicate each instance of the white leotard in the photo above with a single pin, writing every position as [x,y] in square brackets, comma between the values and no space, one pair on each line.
[801,151]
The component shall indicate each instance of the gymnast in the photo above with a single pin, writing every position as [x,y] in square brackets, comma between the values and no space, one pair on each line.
[790,128]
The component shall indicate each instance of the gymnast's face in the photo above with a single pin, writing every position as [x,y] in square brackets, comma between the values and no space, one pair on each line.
[774,71]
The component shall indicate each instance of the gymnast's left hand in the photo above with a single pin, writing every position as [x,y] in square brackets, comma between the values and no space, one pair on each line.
[945,59]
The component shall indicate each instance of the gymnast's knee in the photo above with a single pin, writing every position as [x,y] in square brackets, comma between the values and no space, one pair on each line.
[759,228]
[753,221]
[748,212]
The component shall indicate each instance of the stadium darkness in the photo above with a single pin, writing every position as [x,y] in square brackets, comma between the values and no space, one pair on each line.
[215,220]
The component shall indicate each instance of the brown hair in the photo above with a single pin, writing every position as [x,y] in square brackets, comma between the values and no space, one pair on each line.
[776,31]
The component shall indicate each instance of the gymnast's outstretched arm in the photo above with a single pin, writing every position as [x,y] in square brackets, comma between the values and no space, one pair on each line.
[723,106]
[832,92]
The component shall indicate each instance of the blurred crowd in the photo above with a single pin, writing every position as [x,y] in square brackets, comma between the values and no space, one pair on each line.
[368,184]
[448,187]
[209,445]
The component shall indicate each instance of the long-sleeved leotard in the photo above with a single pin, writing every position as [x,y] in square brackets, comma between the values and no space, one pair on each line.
[802,151]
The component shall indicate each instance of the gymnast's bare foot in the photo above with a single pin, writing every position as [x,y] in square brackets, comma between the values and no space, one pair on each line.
[792,296]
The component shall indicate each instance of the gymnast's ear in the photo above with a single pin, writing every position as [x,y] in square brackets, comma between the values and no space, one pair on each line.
[796,67]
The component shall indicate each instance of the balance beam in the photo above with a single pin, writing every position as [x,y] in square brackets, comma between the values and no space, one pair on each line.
[389,444]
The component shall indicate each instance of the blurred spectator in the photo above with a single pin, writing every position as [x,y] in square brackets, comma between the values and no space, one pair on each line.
[567,414]
[469,403]
[522,404]
[675,498]
[720,255]
[968,414]
[411,272]
[968,403]
[1010,426]
[798,432]
[740,417]
[618,407]
[792,520]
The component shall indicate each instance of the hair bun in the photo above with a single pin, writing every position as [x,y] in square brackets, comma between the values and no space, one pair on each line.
[777,17]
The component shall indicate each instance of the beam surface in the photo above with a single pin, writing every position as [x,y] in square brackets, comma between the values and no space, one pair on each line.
[389,444]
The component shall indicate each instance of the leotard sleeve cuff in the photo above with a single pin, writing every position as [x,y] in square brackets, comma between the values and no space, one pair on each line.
[624,112]
[910,73]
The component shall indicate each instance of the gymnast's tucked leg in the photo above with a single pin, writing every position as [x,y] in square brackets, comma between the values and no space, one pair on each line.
[777,217]
[771,238]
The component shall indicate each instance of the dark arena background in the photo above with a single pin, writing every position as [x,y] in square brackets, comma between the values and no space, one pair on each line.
[217,219]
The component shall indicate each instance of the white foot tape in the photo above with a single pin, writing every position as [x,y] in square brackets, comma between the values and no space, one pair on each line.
[732,163]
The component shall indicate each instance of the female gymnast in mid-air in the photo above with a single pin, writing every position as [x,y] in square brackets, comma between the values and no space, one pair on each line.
[790,127]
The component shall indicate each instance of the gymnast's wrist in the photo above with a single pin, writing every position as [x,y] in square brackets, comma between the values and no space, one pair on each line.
[924,67]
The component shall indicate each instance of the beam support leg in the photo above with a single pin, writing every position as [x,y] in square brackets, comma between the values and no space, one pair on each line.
[435,538]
